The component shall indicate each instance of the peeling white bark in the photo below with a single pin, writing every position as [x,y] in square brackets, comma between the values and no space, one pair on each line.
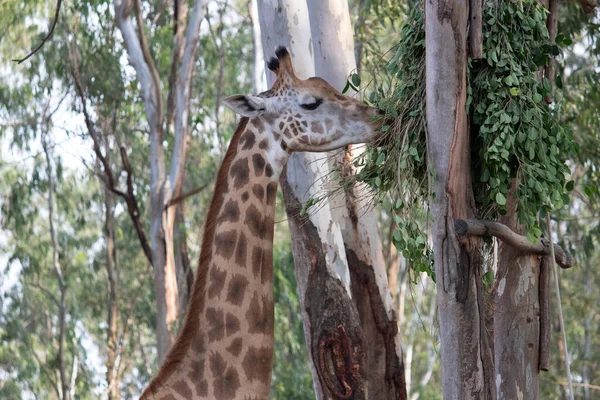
[259,83]
[305,171]
[317,243]
[334,60]
[182,99]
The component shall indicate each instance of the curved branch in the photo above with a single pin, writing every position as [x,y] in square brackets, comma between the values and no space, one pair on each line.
[488,228]
[108,177]
[20,60]
[148,59]
[144,73]
[185,195]
[46,291]
[132,206]
[587,5]
[183,90]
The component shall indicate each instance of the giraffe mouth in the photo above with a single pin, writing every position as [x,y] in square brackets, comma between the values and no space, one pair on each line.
[378,137]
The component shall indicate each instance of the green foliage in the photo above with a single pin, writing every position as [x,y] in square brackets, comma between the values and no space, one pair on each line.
[519,143]
[397,166]
[518,140]
[28,323]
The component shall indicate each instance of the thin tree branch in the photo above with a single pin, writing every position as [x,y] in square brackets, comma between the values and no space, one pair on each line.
[488,228]
[132,206]
[185,195]
[182,97]
[137,60]
[47,373]
[587,5]
[109,177]
[179,16]
[583,385]
[148,59]
[46,291]
[20,60]
[56,263]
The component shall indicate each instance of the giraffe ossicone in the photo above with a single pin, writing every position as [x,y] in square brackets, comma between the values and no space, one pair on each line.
[225,348]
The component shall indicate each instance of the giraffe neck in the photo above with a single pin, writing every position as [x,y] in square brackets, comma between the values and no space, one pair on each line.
[225,348]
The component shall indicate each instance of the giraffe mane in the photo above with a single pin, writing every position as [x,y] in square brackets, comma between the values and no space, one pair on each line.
[196,305]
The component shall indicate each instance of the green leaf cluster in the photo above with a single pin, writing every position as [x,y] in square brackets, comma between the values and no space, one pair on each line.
[396,166]
[520,145]
[518,142]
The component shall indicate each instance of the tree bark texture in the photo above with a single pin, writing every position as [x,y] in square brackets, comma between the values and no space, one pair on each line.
[331,320]
[338,256]
[258,63]
[333,41]
[163,187]
[516,315]
[319,257]
[112,274]
[185,275]
[65,393]
[517,325]
[466,361]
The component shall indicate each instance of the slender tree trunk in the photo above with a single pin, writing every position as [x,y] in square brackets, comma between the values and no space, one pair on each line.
[62,307]
[147,74]
[185,275]
[516,318]
[163,188]
[180,9]
[466,365]
[587,331]
[258,64]
[334,60]
[112,272]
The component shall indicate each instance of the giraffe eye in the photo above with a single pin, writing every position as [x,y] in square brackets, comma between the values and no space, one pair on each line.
[313,105]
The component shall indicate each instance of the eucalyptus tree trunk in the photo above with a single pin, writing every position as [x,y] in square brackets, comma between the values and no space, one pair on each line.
[112,273]
[516,317]
[349,322]
[331,321]
[165,188]
[466,362]
[333,41]
[517,320]
[258,62]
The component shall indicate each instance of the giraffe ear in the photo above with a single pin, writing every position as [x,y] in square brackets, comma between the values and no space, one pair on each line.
[246,106]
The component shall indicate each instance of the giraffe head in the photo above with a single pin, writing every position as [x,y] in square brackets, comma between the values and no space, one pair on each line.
[307,115]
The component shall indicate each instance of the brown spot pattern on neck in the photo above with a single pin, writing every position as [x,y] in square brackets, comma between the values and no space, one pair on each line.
[196,305]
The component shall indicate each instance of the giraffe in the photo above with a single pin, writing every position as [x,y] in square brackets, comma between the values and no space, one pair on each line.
[225,348]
